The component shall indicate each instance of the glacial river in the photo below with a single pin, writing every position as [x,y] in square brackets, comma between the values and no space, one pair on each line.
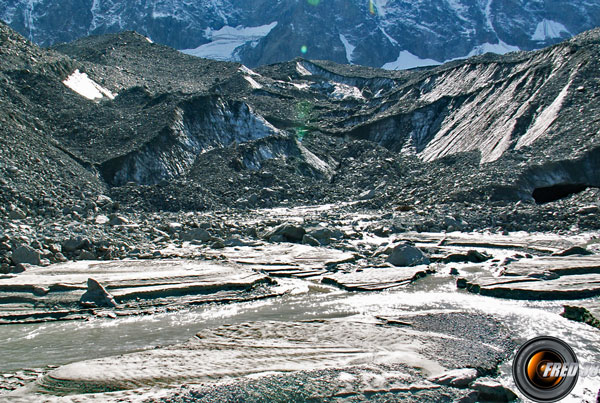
[58,343]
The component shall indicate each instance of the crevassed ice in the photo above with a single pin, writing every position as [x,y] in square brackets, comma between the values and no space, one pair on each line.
[226,40]
[407,60]
[86,87]
[548,29]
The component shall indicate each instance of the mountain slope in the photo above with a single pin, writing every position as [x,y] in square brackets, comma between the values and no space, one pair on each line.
[157,129]
[390,33]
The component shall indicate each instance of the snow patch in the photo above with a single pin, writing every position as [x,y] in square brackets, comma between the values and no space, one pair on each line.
[253,83]
[248,71]
[86,87]
[302,86]
[548,29]
[392,40]
[226,40]
[457,7]
[343,91]
[302,70]
[499,48]
[407,60]
[349,48]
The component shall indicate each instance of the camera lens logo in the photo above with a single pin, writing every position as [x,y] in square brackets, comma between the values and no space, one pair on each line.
[545,369]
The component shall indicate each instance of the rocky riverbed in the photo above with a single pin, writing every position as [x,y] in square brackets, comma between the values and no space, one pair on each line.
[313,302]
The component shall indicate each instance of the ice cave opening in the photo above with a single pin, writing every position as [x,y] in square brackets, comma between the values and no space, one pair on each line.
[549,194]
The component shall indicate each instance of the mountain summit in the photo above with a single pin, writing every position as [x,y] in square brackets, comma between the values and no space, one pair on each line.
[392,34]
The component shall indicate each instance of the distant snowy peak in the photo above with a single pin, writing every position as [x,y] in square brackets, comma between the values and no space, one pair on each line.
[391,33]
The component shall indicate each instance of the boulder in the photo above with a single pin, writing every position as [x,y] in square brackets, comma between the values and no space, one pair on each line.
[101,219]
[472,256]
[575,250]
[26,254]
[405,255]
[309,240]
[321,234]
[75,243]
[458,378]
[195,234]
[286,232]
[97,296]
[118,220]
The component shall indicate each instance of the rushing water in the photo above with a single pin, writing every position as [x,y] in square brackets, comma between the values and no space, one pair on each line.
[57,343]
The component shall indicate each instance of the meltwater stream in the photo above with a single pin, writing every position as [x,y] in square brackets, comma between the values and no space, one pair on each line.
[58,343]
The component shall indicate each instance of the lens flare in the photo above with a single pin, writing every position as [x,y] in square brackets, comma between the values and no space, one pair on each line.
[304,49]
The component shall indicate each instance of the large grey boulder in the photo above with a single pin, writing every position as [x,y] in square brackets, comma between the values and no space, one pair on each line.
[196,234]
[286,232]
[97,296]
[26,254]
[405,255]
[321,234]
[75,243]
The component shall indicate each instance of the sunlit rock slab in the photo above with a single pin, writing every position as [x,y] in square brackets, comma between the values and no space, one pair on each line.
[521,241]
[376,279]
[253,349]
[576,286]
[54,292]
[287,259]
[565,265]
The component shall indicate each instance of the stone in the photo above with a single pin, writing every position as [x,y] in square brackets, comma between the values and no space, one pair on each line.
[472,256]
[103,200]
[575,250]
[321,234]
[101,219]
[73,244]
[86,255]
[309,240]
[118,220]
[367,195]
[196,234]
[458,378]
[490,390]
[97,296]
[26,254]
[592,209]
[17,214]
[404,255]
[218,244]
[289,232]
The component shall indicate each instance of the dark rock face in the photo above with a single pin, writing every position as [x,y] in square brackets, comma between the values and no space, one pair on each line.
[368,33]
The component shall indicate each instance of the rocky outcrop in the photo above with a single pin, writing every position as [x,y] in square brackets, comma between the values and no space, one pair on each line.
[97,296]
